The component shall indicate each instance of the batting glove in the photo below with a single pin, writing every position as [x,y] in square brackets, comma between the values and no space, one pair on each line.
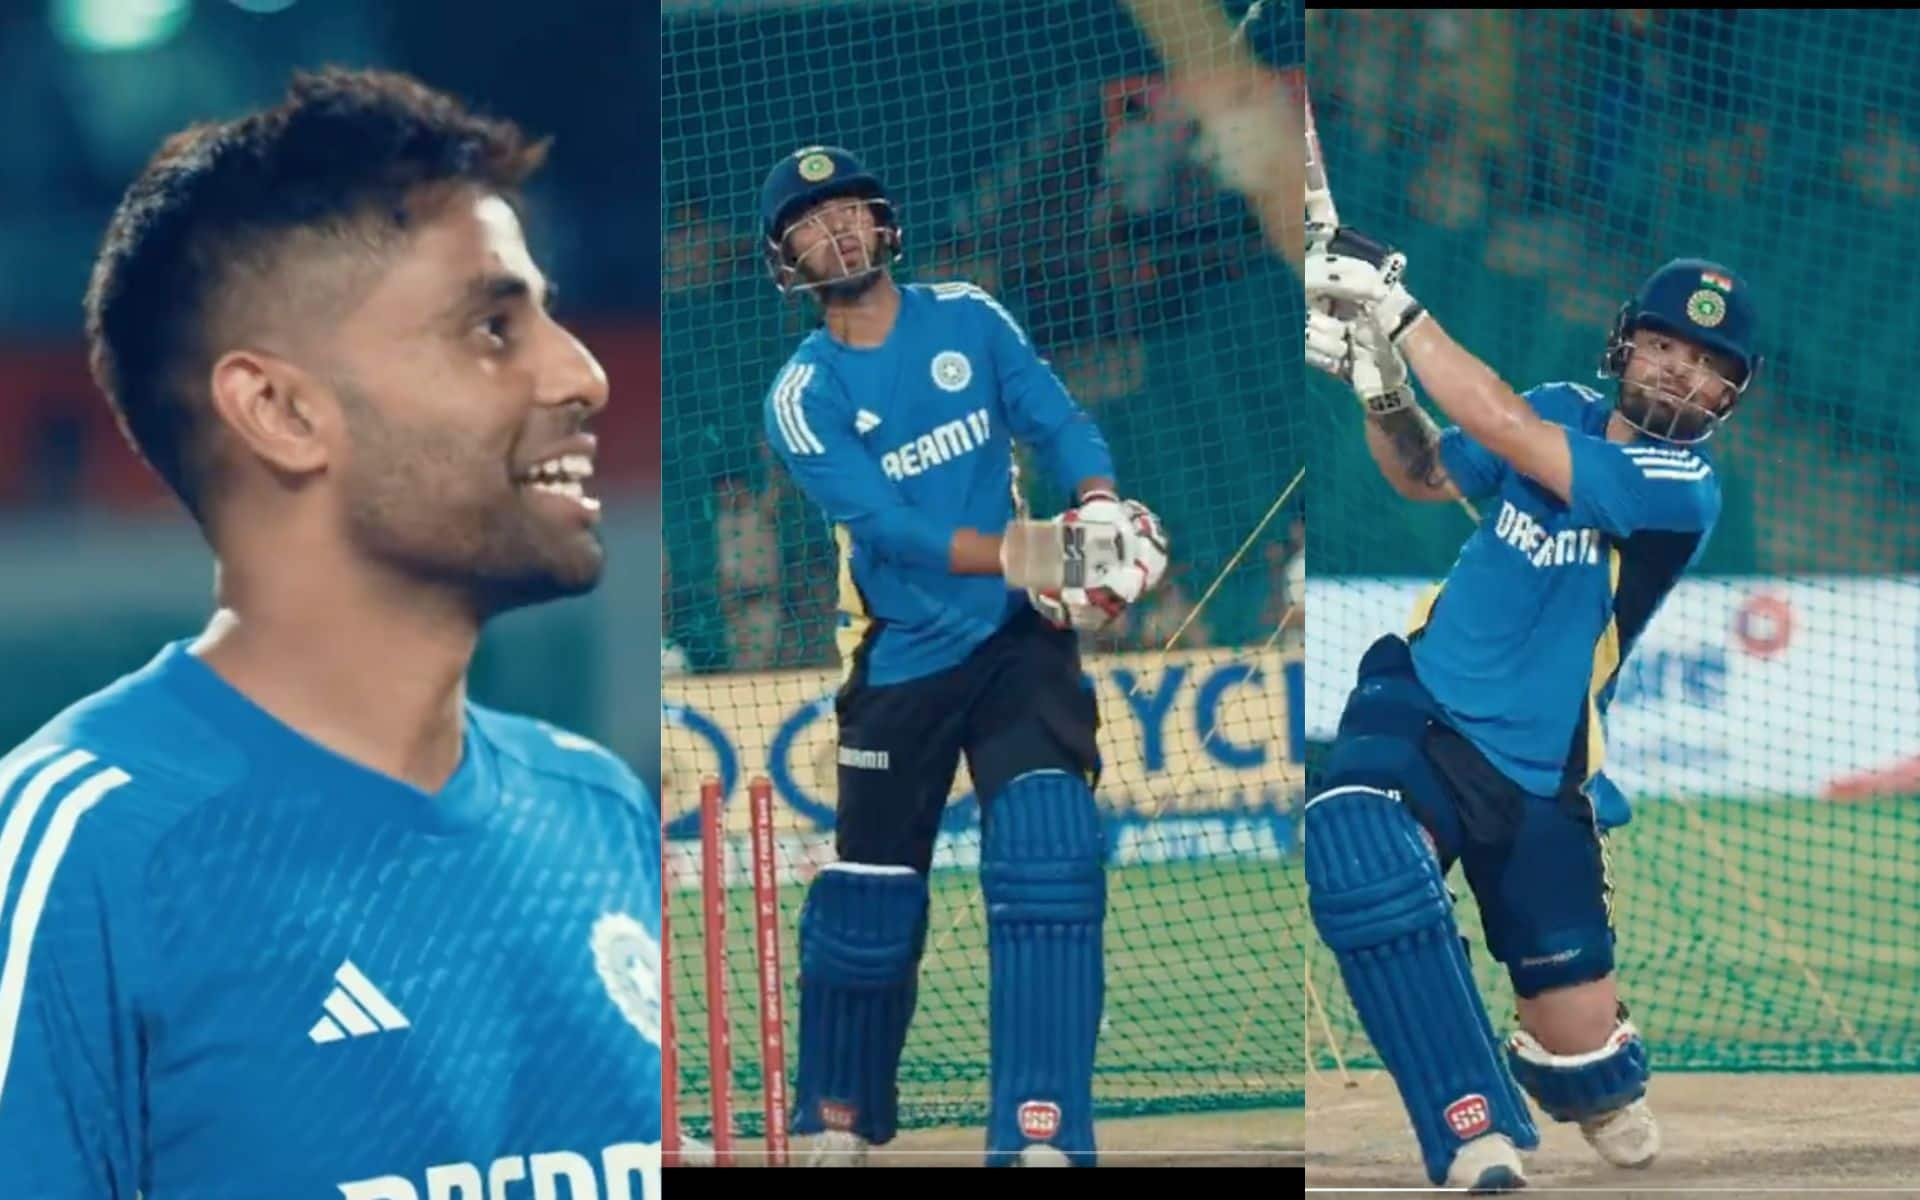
[1353,269]
[1143,545]
[1111,584]
[1357,353]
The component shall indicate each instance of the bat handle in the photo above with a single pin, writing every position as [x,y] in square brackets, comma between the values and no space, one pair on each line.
[1320,210]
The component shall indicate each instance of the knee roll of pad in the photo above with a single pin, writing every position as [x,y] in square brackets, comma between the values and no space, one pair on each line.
[863,927]
[1574,1087]
[1382,745]
[861,934]
[1379,902]
[1043,873]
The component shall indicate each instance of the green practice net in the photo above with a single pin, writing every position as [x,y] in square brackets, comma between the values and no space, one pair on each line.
[1535,166]
[1034,148]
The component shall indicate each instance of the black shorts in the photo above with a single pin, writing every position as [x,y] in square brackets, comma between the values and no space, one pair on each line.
[1536,864]
[1018,703]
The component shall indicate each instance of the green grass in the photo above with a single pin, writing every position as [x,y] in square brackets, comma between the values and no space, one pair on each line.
[1750,936]
[1203,1003]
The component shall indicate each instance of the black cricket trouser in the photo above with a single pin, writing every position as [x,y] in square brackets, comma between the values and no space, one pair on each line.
[1016,704]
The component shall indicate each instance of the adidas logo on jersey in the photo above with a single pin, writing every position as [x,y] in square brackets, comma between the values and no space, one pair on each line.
[355,1008]
[942,445]
[1543,547]
[627,1171]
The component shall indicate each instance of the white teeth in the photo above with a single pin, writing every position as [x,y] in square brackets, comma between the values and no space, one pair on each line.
[569,489]
[565,468]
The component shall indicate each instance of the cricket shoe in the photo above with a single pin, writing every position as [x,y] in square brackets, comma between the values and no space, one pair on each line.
[1039,1154]
[838,1148]
[1625,1137]
[1487,1166]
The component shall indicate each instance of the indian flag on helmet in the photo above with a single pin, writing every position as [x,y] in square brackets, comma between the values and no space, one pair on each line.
[1716,279]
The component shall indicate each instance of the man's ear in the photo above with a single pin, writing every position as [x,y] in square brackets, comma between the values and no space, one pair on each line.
[275,411]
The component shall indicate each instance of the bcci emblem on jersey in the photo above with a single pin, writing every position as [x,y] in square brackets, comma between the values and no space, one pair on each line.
[951,371]
[628,959]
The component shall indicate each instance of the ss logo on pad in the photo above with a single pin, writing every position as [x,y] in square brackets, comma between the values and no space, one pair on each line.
[1468,1116]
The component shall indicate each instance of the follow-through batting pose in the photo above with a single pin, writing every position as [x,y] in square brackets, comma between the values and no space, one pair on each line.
[1479,739]
[897,418]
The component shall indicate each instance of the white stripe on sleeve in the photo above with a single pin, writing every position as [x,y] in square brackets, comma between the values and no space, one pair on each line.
[39,881]
[791,415]
[780,388]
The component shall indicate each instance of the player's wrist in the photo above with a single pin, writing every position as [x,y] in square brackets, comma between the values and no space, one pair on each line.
[972,552]
[1399,315]
[1383,404]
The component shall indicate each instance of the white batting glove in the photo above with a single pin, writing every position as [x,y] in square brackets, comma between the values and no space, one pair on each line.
[1357,353]
[1112,584]
[1356,270]
[1076,609]
[1329,344]
[1150,544]
[1143,546]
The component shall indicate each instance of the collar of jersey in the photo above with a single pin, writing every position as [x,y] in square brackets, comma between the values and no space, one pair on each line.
[899,319]
[465,802]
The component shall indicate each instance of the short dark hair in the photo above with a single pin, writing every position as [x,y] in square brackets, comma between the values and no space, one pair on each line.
[338,157]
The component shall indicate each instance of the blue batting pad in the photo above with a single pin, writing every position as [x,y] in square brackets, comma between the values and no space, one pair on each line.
[1379,902]
[861,933]
[1042,868]
[1577,1086]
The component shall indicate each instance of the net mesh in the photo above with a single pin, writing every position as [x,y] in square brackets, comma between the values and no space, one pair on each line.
[1036,150]
[1768,726]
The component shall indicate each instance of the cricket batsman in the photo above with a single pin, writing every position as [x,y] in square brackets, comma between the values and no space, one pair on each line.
[1479,737]
[897,417]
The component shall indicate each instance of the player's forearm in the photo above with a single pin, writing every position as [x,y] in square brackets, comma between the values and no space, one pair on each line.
[1472,395]
[973,553]
[1406,447]
[912,539]
[1487,410]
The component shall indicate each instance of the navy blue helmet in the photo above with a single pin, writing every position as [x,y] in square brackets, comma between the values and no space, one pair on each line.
[1701,302]
[802,180]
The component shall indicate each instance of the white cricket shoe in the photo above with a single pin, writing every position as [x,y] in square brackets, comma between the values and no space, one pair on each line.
[1039,1154]
[837,1148]
[1487,1166]
[1625,1137]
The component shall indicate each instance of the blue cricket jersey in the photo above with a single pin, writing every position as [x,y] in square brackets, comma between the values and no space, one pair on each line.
[1523,642]
[903,444]
[240,966]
